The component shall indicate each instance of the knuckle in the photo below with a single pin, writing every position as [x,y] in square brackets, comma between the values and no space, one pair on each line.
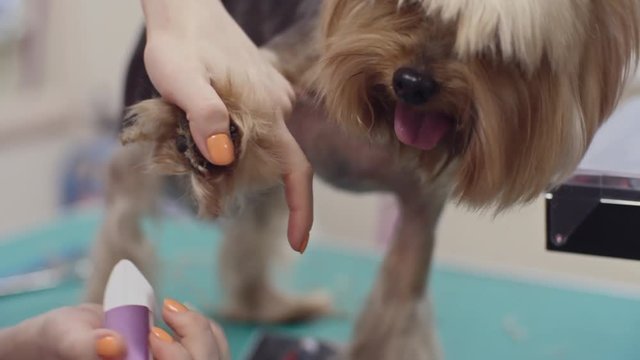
[71,347]
[162,352]
[286,104]
[214,111]
[150,51]
[306,169]
[91,308]
[198,322]
[167,92]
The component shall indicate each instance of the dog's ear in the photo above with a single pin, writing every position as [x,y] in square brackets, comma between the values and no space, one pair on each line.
[610,57]
[531,129]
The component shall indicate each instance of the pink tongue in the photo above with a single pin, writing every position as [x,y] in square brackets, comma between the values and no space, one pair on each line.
[422,130]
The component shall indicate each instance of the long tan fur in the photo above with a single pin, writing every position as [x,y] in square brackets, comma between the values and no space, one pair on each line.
[528,82]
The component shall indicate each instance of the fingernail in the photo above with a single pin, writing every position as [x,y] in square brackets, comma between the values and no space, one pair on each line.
[303,245]
[174,306]
[220,149]
[161,335]
[109,347]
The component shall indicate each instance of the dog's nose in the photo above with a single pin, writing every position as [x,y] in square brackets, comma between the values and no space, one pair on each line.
[413,87]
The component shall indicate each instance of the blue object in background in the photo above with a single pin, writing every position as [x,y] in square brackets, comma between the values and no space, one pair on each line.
[12,20]
[83,173]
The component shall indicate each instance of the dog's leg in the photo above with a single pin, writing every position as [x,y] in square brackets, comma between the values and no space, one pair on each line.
[247,254]
[396,323]
[130,195]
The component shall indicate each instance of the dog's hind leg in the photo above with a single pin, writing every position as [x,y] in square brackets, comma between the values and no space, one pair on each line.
[246,258]
[130,195]
[397,323]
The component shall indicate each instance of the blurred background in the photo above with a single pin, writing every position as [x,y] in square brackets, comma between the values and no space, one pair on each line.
[62,66]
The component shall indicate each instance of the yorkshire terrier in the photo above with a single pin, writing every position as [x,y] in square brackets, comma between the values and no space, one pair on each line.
[486,103]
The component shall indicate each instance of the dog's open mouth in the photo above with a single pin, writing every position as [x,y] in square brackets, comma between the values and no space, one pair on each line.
[419,128]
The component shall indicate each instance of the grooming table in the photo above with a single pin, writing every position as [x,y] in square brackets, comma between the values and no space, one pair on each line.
[478,317]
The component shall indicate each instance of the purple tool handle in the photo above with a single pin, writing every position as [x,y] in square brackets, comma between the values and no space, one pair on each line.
[132,322]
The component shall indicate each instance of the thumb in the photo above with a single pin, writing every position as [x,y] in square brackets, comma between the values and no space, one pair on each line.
[184,83]
[208,119]
[109,345]
[93,344]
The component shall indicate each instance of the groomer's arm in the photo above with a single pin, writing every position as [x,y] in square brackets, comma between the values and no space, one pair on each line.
[192,44]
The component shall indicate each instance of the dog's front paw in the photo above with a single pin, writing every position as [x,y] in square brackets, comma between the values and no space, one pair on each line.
[167,127]
[174,152]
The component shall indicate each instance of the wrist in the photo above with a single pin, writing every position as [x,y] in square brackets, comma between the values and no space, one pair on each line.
[183,16]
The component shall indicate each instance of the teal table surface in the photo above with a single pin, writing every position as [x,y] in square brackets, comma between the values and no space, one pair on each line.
[478,317]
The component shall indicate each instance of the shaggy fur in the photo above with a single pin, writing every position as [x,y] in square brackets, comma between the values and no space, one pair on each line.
[527,100]
[524,86]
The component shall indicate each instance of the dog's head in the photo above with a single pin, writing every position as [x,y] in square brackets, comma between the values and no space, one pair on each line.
[507,93]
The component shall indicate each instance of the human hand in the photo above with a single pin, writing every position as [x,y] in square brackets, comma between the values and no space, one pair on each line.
[194,46]
[198,337]
[70,333]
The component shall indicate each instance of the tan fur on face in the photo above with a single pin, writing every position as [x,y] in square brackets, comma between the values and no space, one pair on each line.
[362,45]
[525,31]
[216,189]
[528,82]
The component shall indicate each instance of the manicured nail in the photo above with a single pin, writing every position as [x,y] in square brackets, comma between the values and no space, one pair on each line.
[161,335]
[303,245]
[174,306]
[109,347]
[220,149]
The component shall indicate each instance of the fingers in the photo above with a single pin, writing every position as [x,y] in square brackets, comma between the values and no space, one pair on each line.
[109,345]
[198,336]
[76,333]
[208,120]
[298,184]
[185,82]
[83,343]
[221,341]
[163,347]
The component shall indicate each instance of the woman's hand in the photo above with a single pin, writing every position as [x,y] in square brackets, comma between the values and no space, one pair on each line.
[193,45]
[197,337]
[71,333]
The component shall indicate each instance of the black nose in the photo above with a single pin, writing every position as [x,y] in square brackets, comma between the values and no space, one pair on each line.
[413,87]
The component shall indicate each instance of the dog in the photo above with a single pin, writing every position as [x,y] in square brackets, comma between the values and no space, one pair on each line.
[487,103]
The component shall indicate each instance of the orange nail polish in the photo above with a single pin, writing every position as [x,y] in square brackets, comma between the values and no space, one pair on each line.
[220,149]
[109,347]
[174,306]
[303,245]
[161,335]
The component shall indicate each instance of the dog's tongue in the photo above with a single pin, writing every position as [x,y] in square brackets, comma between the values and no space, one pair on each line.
[419,129]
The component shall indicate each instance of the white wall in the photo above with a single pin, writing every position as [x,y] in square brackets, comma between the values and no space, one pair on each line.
[87,46]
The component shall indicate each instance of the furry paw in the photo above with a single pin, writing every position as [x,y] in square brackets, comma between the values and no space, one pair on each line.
[272,307]
[167,127]
[174,152]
